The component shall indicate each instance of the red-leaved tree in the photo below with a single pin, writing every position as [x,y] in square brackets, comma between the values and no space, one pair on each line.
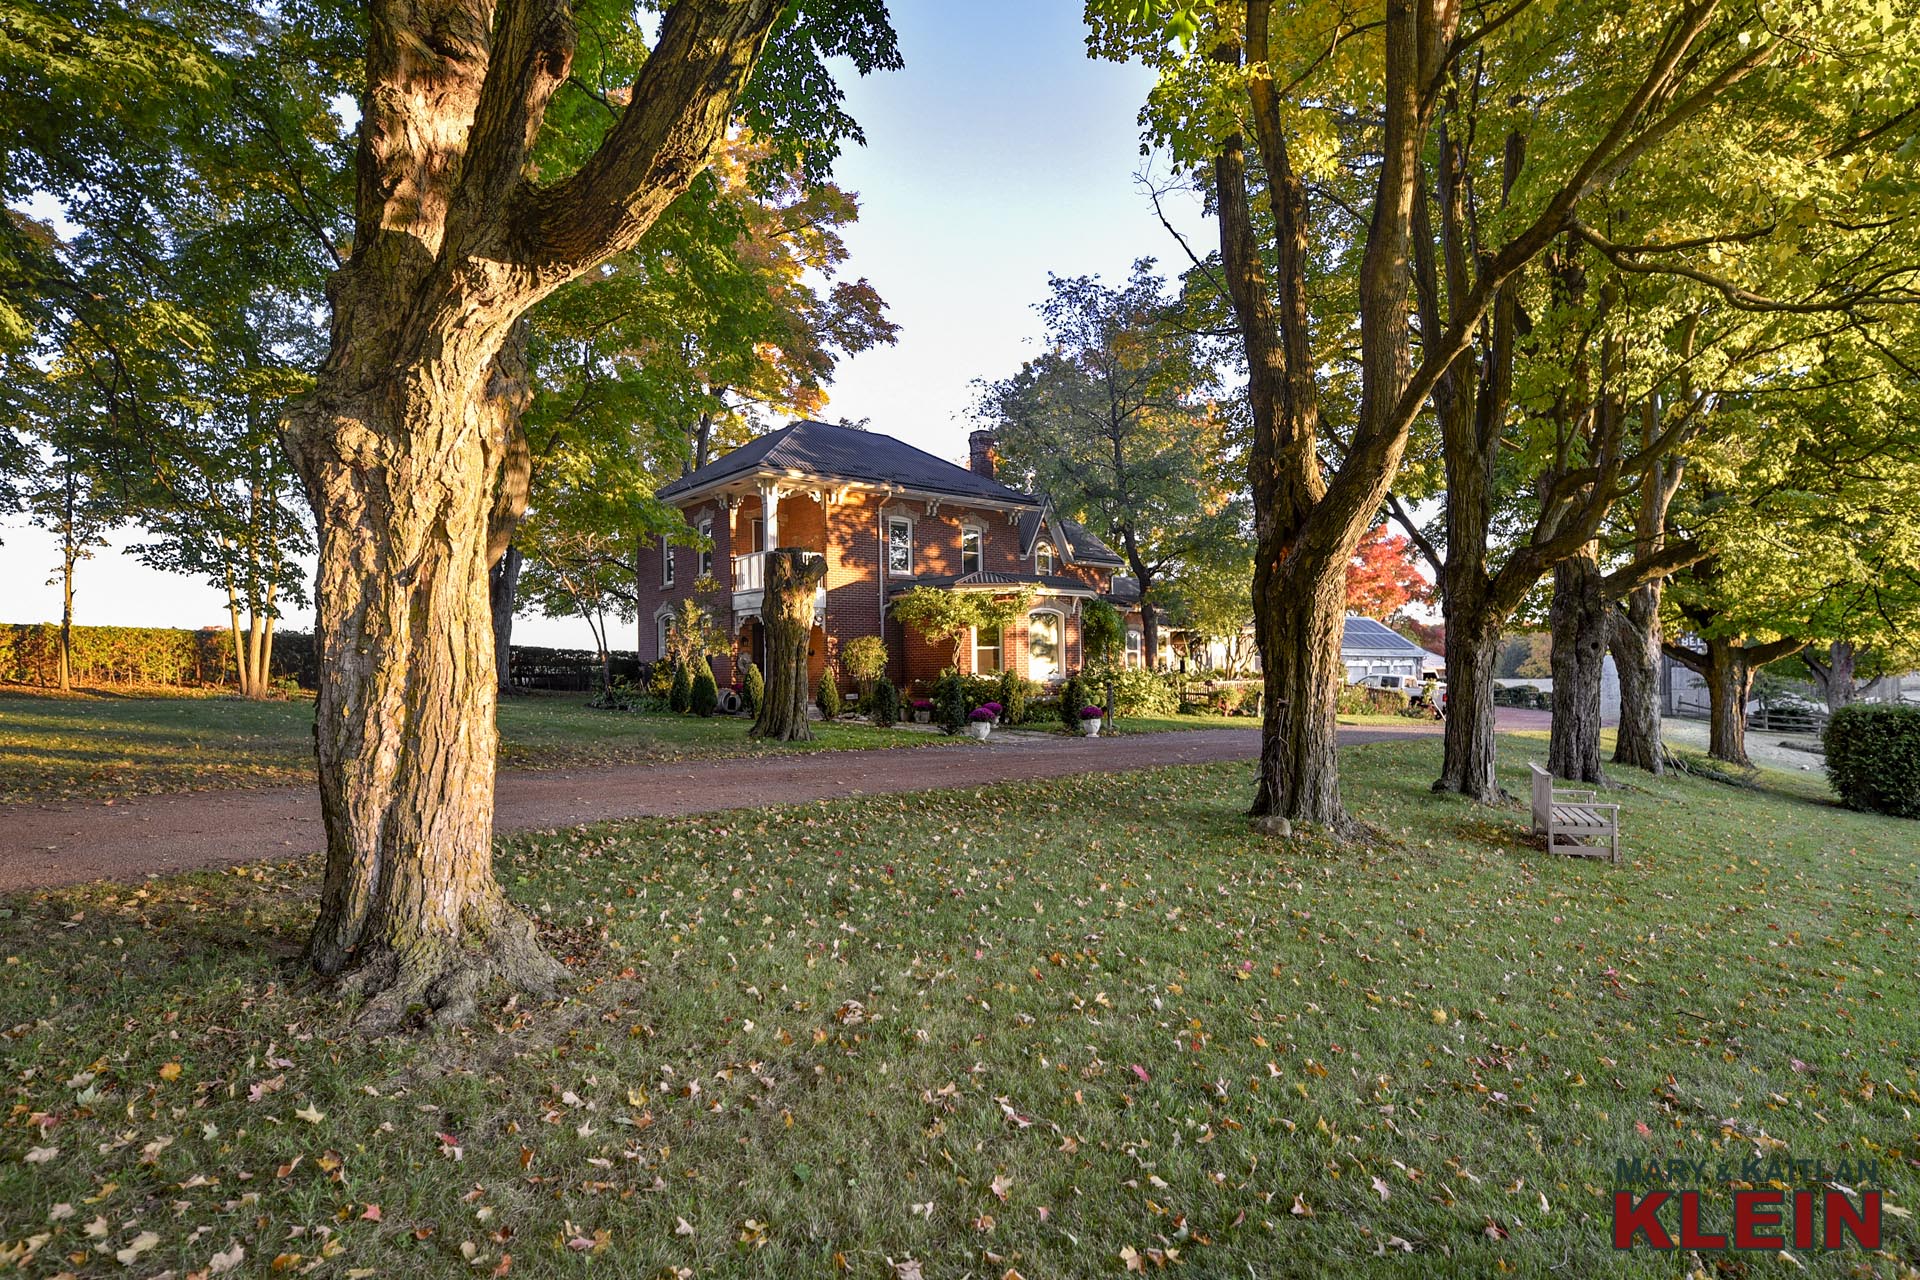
[1381,578]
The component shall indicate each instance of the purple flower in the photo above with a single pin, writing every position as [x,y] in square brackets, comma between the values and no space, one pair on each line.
[1091,713]
[981,714]
[923,704]
[994,707]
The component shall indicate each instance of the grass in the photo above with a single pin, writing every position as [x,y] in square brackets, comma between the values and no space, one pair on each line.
[105,746]
[1035,1028]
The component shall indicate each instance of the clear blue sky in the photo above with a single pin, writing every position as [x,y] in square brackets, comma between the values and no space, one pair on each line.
[999,154]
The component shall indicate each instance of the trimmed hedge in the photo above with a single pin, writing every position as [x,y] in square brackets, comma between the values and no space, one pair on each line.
[30,654]
[1873,758]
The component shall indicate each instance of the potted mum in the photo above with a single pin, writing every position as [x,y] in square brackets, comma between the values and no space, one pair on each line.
[1090,718]
[923,710]
[999,712]
[980,722]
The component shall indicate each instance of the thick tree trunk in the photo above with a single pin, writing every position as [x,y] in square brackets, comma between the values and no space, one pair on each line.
[1729,678]
[786,615]
[1149,632]
[1636,644]
[1298,625]
[1473,647]
[405,720]
[408,435]
[1582,626]
[1834,677]
[503,587]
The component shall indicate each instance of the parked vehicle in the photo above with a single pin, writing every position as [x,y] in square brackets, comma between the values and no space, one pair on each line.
[1399,684]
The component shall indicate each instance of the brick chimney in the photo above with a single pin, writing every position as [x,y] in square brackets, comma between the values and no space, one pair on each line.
[980,453]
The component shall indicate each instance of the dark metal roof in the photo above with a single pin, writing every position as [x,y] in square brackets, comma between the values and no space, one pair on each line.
[1077,543]
[847,453]
[1364,635]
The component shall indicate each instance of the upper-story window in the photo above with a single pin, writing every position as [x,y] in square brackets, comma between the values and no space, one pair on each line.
[1136,649]
[1043,558]
[666,561]
[899,545]
[970,560]
[706,550]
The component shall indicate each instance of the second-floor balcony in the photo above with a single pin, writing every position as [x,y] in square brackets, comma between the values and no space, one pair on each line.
[750,584]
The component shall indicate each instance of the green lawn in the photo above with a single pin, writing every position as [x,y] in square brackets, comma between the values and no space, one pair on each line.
[1036,1028]
[102,745]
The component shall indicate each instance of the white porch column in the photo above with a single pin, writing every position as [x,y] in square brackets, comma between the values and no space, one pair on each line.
[770,515]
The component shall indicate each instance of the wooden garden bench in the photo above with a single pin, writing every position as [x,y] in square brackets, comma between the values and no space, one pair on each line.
[1572,821]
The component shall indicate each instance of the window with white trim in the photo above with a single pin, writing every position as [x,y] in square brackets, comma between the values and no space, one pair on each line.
[706,551]
[666,561]
[664,625]
[986,651]
[1043,558]
[1043,645]
[899,545]
[970,558]
[1136,648]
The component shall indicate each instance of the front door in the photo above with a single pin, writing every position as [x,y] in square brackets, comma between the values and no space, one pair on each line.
[1043,646]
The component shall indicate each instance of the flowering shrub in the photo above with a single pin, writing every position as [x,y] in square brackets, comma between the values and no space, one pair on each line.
[923,704]
[993,710]
[980,715]
[1091,713]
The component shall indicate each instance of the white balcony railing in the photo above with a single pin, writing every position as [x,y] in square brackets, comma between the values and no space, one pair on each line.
[750,571]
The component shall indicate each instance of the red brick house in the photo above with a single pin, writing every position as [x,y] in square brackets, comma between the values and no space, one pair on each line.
[887,517]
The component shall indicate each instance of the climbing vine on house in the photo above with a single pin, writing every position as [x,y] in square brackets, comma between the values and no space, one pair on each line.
[940,614]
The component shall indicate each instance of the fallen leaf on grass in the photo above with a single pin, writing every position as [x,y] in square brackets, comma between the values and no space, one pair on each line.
[139,1245]
[226,1260]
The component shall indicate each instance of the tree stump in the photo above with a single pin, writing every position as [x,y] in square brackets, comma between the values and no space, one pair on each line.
[786,612]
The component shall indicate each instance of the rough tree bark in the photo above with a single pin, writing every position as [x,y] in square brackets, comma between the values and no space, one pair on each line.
[1834,675]
[1581,621]
[1727,668]
[402,442]
[1636,645]
[503,589]
[786,614]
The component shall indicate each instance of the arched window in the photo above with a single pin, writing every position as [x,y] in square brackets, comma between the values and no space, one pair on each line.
[970,557]
[706,550]
[663,624]
[1043,645]
[1043,558]
[1136,648]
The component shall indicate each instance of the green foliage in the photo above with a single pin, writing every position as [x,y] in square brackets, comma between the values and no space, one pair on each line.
[864,658]
[753,685]
[950,703]
[680,692]
[939,614]
[1013,693]
[705,695]
[827,696]
[660,681]
[1144,693]
[1073,697]
[883,704]
[1120,421]
[1103,633]
[1873,758]
[1520,695]
[29,654]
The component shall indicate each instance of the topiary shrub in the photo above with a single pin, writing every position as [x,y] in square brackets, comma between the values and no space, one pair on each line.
[883,704]
[1012,695]
[753,686]
[706,694]
[827,697]
[1073,696]
[1873,758]
[950,703]
[680,693]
